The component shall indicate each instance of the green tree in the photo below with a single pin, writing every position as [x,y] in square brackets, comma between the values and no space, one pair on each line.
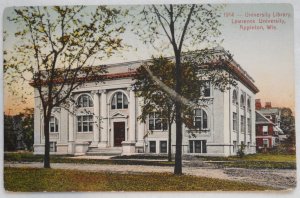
[55,49]
[27,128]
[287,124]
[10,136]
[156,78]
[183,27]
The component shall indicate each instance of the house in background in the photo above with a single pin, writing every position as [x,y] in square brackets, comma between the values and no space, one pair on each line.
[267,133]
[272,113]
[226,123]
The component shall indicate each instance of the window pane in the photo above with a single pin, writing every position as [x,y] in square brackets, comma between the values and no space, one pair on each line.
[191,142]
[265,128]
[79,101]
[85,127]
[79,129]
[152,146]
[198,112]
[204,150]
[234,121]
[198,123]
[163,146]
[84,118]
[197,146]
[207,89]
[157,124]
[113,102]
[266,143]
[51,127]
[165,125]
[151,124]
[91,126]
[242,100]
[204,120]
[90,102]
[125,100]
[119,101]
[85,101]
[234,97]
[52,146]
[151,115]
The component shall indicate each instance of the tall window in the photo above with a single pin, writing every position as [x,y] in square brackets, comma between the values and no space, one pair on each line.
[234,97]
[53,125]
[249,125]
[249,104]
[242,102]
[205,89]
[235,122]
[156,122]
[163,146]
[152,146]
[85,123]
[84,101]
[119,101]
[200,119]
[197,146]
[243,124]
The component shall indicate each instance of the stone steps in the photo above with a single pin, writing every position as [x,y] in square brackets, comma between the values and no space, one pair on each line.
[113,151]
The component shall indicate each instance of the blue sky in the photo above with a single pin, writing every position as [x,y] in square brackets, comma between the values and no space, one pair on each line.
[266,55]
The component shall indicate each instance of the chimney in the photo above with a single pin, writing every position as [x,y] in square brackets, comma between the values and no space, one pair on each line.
[268,105]
[257,104]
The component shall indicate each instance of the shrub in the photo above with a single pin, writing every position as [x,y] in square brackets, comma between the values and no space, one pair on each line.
[241,151]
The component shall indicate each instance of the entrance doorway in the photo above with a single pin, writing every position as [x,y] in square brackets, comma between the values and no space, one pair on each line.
[119,133]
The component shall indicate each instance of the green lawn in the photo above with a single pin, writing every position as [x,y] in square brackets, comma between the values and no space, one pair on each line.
[259,161]
[51,180]
[29,157]
[256,157]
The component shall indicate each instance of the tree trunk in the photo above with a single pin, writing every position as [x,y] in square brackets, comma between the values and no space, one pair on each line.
[170,141]
[47,143]
[178,154]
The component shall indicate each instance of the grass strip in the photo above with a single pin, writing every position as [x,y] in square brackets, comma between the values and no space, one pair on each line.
[55,180]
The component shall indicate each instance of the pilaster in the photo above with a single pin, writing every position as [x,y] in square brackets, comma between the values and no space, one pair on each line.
[103,119]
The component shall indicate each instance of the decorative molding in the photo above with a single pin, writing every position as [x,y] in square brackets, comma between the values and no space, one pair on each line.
[130,88]
[118,114]
[94,92]
[102,91]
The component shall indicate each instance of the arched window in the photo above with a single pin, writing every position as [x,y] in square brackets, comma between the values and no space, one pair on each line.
[242,101]
[200,119]
[119,101]
[53,125]
[85,101]
[234,97]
